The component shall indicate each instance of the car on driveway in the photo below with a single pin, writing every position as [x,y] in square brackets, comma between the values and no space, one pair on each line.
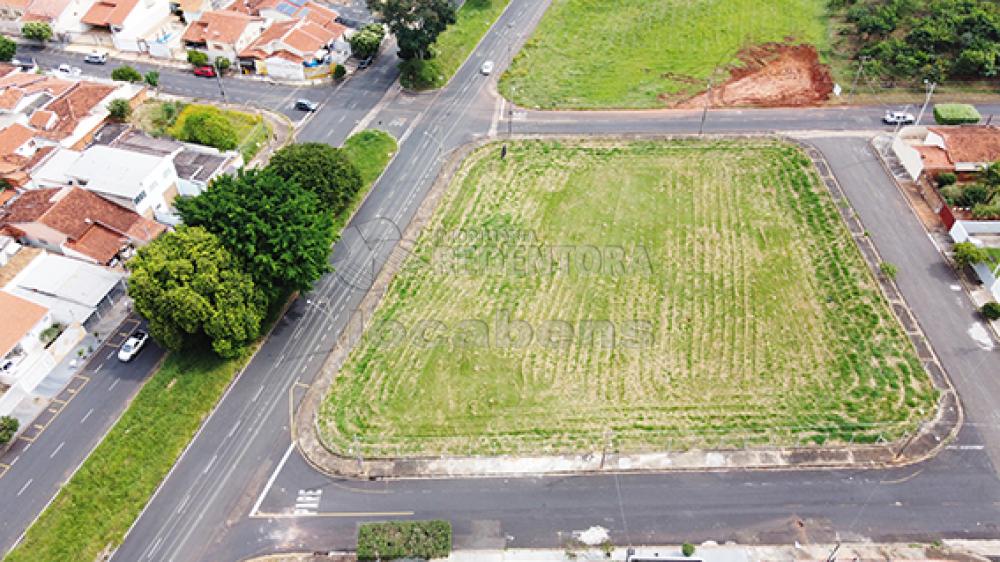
[96,58]
[132,346]
[206,71]
[487,68]
[898,118]
[306,105]
[69,70]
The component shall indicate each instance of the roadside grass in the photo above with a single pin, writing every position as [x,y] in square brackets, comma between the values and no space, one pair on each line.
[724,304]
[97,506]
[457,42]
[583,56]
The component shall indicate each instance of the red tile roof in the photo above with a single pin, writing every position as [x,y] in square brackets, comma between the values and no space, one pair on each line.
[20,316]
[293,40]
[109,12]
[221,26]
[14,137]
[14,87]
[74,105]
[971,143]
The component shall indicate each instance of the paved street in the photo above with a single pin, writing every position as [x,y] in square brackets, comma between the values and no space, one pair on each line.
[240,489]
[40,462]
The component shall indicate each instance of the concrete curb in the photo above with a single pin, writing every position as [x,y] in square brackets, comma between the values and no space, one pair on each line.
[929,438]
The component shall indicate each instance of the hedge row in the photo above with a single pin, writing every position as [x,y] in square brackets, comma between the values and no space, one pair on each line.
[955,114]
[401,539]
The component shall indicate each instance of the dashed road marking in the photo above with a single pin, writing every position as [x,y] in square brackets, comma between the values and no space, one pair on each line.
[87,415]
[56,452]
[25,487]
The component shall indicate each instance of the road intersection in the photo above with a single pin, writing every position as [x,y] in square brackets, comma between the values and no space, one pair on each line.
[242,489]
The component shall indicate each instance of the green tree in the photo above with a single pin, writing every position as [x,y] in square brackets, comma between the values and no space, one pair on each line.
[8,427]
[208,126]
[321,169]
[991,310]
[967,253]
[119,109]
[222,63]
[126,73]
[37,30]
[197,58]
[415,23]
[687,549]
[7,49]
[152,78]
[365,43]
[279,230]
[339,72]
[189,287]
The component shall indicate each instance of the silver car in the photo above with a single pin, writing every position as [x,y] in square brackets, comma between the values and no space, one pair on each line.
[132,346]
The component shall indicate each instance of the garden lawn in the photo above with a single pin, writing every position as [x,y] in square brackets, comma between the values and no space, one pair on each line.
[252,131]
[589,55]
[644,294]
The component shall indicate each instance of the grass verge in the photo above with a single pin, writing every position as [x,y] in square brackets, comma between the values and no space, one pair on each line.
[583,294]
[583,56]
[97,506]
[454,45]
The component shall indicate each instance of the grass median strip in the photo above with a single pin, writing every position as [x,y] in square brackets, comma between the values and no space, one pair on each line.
[97,506]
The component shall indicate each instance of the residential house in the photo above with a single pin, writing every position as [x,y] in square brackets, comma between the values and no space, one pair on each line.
[128,21]
[12,10]
[21,93]
[76,223]
[223,33]
[21,347]
[965,150]
[296,49]
[19,152]
[63,16]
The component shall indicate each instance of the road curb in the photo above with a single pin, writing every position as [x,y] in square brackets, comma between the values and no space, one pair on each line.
[928,439]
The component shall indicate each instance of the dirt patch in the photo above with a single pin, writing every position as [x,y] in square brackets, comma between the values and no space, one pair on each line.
[771,75]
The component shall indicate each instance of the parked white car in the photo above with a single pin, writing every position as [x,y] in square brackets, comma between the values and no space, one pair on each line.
[898,118]
[69,70]
[132,346]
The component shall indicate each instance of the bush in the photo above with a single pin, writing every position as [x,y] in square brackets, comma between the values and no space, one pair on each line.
[339,72]
[400,539]
[119,109]
[197,58]
[126,74]
[7,49]
[8,427]
[687,549]
[420,74]
[967,253]
[37,30]
[991,310]
[951,194]
[945,179]
[955,114]
[152,78]
[208,126]
[889,270]
[366,43]
[222,63]
[984,211]
[971,195]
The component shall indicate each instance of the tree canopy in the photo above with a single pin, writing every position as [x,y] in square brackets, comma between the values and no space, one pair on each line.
[276,228]
[190,287]
[126,73]
[321,169]
[37,30]
[415,23]
[365,43]
[7,49]
[119,109]
[208,126]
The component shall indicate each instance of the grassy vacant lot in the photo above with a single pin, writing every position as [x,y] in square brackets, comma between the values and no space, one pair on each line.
[650,293]
[587,55]
[167,118]
[99,504]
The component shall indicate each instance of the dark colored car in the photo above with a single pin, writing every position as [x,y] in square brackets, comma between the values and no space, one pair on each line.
[306,105]
[206,71]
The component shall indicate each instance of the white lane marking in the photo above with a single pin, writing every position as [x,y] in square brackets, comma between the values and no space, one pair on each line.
[210,463]
[59,448]
[180,506]
[256,396]
[966,447]
[87,415]
[270,481]
[113,385]
[979,335]
[232,430]
[25,487]
[156,545]
[307,502]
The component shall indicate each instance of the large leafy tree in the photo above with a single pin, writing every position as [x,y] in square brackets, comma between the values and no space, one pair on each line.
[189,287]
[7,49]
[208,126]
[320,168]
[365,43]
[37,30]
[415,23]
[278,229]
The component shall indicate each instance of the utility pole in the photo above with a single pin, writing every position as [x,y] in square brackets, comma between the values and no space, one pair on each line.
[218,79]
[704,113]
[930,92]
[857,76]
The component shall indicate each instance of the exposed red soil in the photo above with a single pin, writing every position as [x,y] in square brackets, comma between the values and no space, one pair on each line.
[771,75]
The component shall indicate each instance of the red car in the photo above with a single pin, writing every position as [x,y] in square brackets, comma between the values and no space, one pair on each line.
[206,71]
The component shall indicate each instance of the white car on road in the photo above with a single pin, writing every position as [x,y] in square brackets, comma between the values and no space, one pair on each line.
[898,118]
[487,68]
[132,346]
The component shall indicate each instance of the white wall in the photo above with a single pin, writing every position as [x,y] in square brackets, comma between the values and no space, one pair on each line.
[909,157]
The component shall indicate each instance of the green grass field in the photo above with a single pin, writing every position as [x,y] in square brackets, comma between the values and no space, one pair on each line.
[252,130]
[725,301]
[370,150]
[588,55]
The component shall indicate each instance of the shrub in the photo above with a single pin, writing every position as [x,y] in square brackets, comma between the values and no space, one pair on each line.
[972,195]
[37,30]
[197,58]
[984,211]
[7,49]
[119,109]
[420,74]
[8,427]
[889,270]
[339,72]
[152,78]
[399,539]
[222,63]
[366,43]
[946,179]
[126,74]
[967,253]
[687,549]
[991,310]
[955,114]
[208,126]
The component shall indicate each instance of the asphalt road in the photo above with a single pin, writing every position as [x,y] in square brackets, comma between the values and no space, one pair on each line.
[38,464]
[202,511]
